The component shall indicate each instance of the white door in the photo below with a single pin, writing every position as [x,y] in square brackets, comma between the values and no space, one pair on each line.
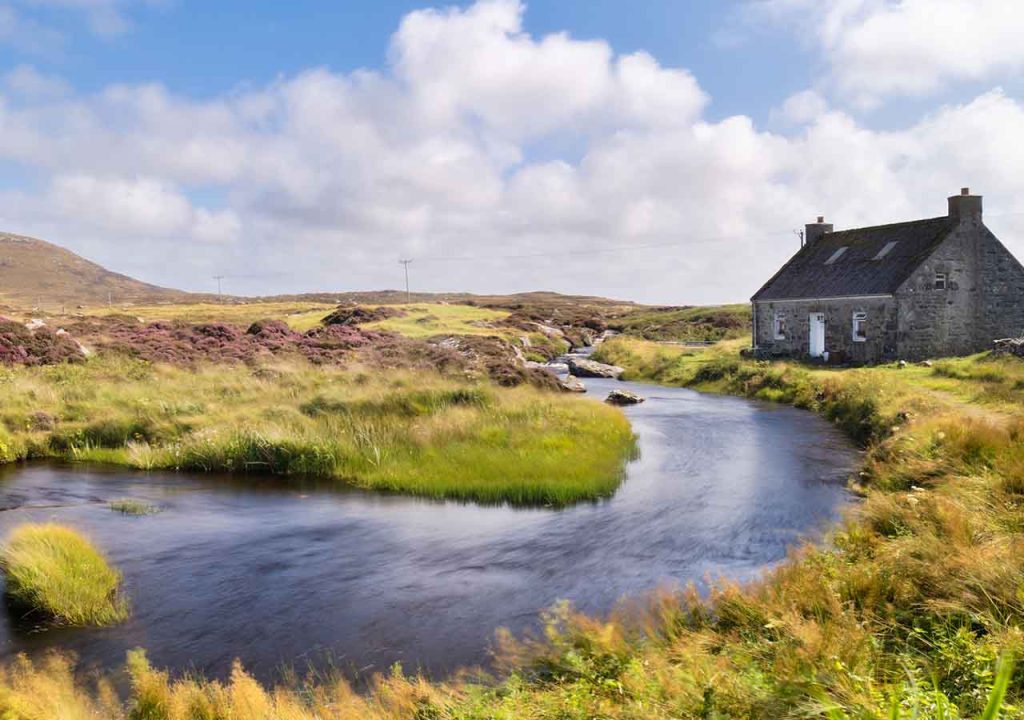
[817,344]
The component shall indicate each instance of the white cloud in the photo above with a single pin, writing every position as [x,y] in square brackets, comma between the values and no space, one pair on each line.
[27,81]
[800,108]
[124,210]
[551,162]
[882,48]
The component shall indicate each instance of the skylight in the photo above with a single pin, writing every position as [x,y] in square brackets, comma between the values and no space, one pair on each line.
[836,255]
[885,251]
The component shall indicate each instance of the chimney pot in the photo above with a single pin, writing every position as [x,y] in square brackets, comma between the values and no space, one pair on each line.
[965,191]
[821,218]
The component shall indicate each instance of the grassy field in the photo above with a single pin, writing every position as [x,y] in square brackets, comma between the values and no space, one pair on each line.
[406,432]
[53,571]
[423,320]
[905,611]
[299,316]
[704,324]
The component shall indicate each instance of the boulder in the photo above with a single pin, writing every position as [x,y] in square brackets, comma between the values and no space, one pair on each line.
[623,397]
[582,367]
[1009,346]
[572,383]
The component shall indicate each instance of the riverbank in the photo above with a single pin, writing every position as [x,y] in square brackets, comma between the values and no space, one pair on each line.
[404,431]
[908,605]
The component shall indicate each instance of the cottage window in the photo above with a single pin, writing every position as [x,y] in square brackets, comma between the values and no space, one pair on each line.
[940,281]
[886,250]
[780,326]
[860,326]
[836,255]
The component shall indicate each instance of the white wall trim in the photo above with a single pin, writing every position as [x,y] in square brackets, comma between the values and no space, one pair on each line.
[824,299]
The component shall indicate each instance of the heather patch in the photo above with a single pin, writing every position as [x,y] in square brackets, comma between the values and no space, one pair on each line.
[358,314]
[42,346]
[181,343]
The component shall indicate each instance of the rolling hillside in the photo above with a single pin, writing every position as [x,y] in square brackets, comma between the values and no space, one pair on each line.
[37,273]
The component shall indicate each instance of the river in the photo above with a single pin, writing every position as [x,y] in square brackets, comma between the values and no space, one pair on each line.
[291,574]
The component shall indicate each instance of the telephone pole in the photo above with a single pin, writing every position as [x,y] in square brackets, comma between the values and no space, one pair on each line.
[406,264]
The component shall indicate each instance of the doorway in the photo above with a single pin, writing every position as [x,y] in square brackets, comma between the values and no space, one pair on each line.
[817,338]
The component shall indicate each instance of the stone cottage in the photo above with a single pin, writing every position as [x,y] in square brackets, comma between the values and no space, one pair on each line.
[912,290]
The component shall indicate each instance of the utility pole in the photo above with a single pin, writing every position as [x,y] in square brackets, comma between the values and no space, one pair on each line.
[406,264]
[218,278]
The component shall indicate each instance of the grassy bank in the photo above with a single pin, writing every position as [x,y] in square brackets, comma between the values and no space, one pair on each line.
[903,612]
[54,572]
[402,431]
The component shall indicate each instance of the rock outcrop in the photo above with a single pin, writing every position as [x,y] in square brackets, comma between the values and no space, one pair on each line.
[571,383]
[623,397]
[1009,346]
[581,367]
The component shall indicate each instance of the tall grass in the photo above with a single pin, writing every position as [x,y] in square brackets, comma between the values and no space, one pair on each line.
[399,431]
[53,571]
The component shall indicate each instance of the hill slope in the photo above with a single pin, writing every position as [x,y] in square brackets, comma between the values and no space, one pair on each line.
[37,273]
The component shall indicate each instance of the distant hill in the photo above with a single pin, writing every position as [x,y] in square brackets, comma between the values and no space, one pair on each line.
[37,273]
[398,297]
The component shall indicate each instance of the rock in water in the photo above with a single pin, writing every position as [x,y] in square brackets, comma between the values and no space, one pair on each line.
[572,384]
[581,367]
[623,397]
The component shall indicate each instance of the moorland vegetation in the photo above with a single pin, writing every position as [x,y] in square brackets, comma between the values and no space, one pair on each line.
[911,607]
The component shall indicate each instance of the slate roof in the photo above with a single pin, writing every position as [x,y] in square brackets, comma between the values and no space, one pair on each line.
[856,272]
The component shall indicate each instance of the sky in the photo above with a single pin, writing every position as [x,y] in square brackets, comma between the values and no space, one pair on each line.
[662,151]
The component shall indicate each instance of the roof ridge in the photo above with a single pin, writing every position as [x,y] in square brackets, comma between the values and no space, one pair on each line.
[892,225]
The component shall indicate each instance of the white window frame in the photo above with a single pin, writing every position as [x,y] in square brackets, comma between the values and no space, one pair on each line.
[859,330]
[941,281]
[779,326]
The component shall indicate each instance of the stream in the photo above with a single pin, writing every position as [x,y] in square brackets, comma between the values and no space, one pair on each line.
[296,574]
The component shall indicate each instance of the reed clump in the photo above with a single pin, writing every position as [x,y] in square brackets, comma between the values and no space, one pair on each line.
[130,506]
[53,571]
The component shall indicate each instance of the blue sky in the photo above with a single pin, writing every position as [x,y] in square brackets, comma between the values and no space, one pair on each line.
[307,145]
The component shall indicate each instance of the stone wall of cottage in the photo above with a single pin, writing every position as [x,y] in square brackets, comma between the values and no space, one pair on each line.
[1002,281]
[881,326]
[983,297]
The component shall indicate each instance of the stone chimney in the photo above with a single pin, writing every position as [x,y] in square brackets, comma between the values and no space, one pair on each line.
[814,231]
[965,206]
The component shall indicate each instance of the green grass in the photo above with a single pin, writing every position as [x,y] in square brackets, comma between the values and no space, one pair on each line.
[299,315]
[53,570]
[424,320]
[702,323]
[129,506]
[408,432]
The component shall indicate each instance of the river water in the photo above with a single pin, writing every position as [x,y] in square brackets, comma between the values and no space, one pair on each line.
[289,574]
